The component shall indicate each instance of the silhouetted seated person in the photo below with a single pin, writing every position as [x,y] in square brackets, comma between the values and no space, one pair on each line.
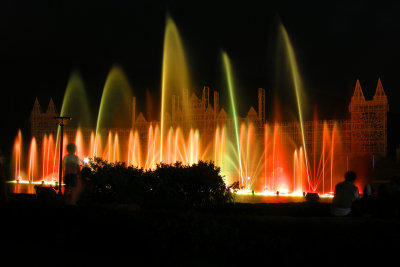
[346,193]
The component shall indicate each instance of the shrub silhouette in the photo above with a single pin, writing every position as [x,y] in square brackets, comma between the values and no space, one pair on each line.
[197,185]
[167,186]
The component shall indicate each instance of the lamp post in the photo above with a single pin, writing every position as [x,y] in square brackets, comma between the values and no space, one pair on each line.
[62,121]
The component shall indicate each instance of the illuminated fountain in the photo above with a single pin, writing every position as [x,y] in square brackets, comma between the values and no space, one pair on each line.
[264,157]
[175,77]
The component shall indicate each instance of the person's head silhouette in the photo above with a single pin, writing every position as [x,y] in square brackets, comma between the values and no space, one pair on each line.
[350,176]
[71,148]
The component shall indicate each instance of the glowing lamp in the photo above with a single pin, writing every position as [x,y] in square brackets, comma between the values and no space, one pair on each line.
[62,120]
[85,160]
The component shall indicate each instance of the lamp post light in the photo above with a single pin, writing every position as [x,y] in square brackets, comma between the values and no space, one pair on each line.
[62,121]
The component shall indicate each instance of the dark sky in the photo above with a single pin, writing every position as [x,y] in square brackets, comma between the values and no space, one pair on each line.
[335,42]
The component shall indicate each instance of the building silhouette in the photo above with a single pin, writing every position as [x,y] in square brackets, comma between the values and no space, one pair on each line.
[43,122]
[363,133]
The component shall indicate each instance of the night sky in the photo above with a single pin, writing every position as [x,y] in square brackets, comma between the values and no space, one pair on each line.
[335,42]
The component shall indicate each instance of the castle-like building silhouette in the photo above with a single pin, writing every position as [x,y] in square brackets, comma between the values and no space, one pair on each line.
[363,133]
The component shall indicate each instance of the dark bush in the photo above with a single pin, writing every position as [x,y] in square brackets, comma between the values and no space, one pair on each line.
[169,185]
[197,185]
[312,197]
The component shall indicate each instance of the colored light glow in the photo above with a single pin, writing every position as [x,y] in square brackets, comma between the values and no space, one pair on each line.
[247,192]
[269,161]
[53,183]
[192,147]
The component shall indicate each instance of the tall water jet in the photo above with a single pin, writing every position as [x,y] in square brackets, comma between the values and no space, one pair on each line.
[45,145]
[47,158]
[116,149]
[338,160]
[92,145]
[115,109]
[75,103]
[32,168]
[219,146]
[109,147]
[80,150]
[175,74]
[50,155]
[134,156]
[97,145]
[229,80]
[153,147]
[17,155]
[297,86]
[266,139]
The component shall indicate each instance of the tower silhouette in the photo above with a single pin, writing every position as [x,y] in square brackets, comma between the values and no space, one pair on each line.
[43,122]
[368,122]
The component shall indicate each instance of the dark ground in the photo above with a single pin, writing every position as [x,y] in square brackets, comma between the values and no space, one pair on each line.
[239,234]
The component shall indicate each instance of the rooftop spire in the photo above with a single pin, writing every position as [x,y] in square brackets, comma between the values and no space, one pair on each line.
[358,93]
[36,110]
[36,106]
[51,108]
[379,93]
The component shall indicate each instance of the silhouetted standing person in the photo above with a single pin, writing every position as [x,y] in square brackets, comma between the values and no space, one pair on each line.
[345,195]
[72,175]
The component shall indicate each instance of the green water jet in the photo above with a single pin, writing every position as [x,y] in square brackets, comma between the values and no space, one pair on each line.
[229,80]
[75,105]
[75,102]
[115,109]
